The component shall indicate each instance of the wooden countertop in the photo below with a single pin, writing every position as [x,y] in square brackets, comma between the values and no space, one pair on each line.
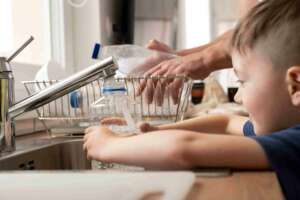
[238,186]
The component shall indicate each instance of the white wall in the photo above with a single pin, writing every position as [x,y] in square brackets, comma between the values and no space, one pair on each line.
[155,19]
[224,15]
[86,32]
[192,19]
[194,26]
[6,30]
[30,18]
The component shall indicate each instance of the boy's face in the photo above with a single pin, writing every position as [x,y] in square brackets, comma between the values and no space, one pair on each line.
[262,91]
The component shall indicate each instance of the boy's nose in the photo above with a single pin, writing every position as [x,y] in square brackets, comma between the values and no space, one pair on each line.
[237,97]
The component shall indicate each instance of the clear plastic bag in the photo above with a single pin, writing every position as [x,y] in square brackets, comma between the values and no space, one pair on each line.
[134,60]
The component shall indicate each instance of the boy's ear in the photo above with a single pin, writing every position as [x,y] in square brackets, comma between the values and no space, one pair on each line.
[293,81]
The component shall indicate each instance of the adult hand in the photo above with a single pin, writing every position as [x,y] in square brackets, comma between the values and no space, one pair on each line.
[195,63]
[155,57]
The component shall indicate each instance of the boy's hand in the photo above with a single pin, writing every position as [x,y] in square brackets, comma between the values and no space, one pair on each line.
[95,140]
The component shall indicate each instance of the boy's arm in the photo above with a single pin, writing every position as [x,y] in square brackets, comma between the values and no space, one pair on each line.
[218,124]
[207,150]
[175,149]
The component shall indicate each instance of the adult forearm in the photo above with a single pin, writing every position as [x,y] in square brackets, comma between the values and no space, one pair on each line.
[185,52]
[213,56]
[220,46]
[219,41]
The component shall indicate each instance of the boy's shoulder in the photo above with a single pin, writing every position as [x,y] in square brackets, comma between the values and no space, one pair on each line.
[282,149]
[293,132]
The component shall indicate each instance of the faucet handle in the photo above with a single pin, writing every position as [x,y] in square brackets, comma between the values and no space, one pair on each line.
[4,63]
[24,45]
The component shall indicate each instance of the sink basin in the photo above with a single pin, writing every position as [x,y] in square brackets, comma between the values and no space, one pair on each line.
[67,155]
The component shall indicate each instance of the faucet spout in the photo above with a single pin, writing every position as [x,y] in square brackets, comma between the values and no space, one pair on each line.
[9,111]
[102,69]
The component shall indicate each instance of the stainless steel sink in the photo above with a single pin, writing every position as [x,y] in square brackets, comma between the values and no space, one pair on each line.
[61,155]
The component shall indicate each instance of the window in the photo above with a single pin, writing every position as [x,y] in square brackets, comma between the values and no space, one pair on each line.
[19,20]
[5,26]
[197,26]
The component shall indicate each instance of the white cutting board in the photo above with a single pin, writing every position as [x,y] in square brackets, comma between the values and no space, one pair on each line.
[93,185]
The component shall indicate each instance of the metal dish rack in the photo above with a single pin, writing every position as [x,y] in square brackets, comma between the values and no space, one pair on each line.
[59,116]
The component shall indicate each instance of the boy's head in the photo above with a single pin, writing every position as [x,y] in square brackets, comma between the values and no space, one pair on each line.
[266,57]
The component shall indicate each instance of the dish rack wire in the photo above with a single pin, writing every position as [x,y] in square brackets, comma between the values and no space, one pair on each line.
[60,116]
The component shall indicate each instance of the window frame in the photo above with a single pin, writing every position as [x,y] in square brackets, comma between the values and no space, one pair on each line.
[61,26]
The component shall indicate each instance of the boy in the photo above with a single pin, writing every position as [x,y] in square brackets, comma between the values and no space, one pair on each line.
[266,59]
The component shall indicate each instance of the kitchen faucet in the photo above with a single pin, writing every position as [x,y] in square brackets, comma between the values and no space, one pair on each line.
[9,109]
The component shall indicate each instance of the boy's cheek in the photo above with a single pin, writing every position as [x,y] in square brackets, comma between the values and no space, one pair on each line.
[251,102]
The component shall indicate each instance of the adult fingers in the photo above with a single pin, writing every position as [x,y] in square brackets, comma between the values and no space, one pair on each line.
[172,71]
[159,69]
[175,83]
[156,76]
[142,85]
[149,91]
[159,93]
[176,87]
[159,46]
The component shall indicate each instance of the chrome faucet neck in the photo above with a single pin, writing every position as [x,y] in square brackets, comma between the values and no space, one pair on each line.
[7,99]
